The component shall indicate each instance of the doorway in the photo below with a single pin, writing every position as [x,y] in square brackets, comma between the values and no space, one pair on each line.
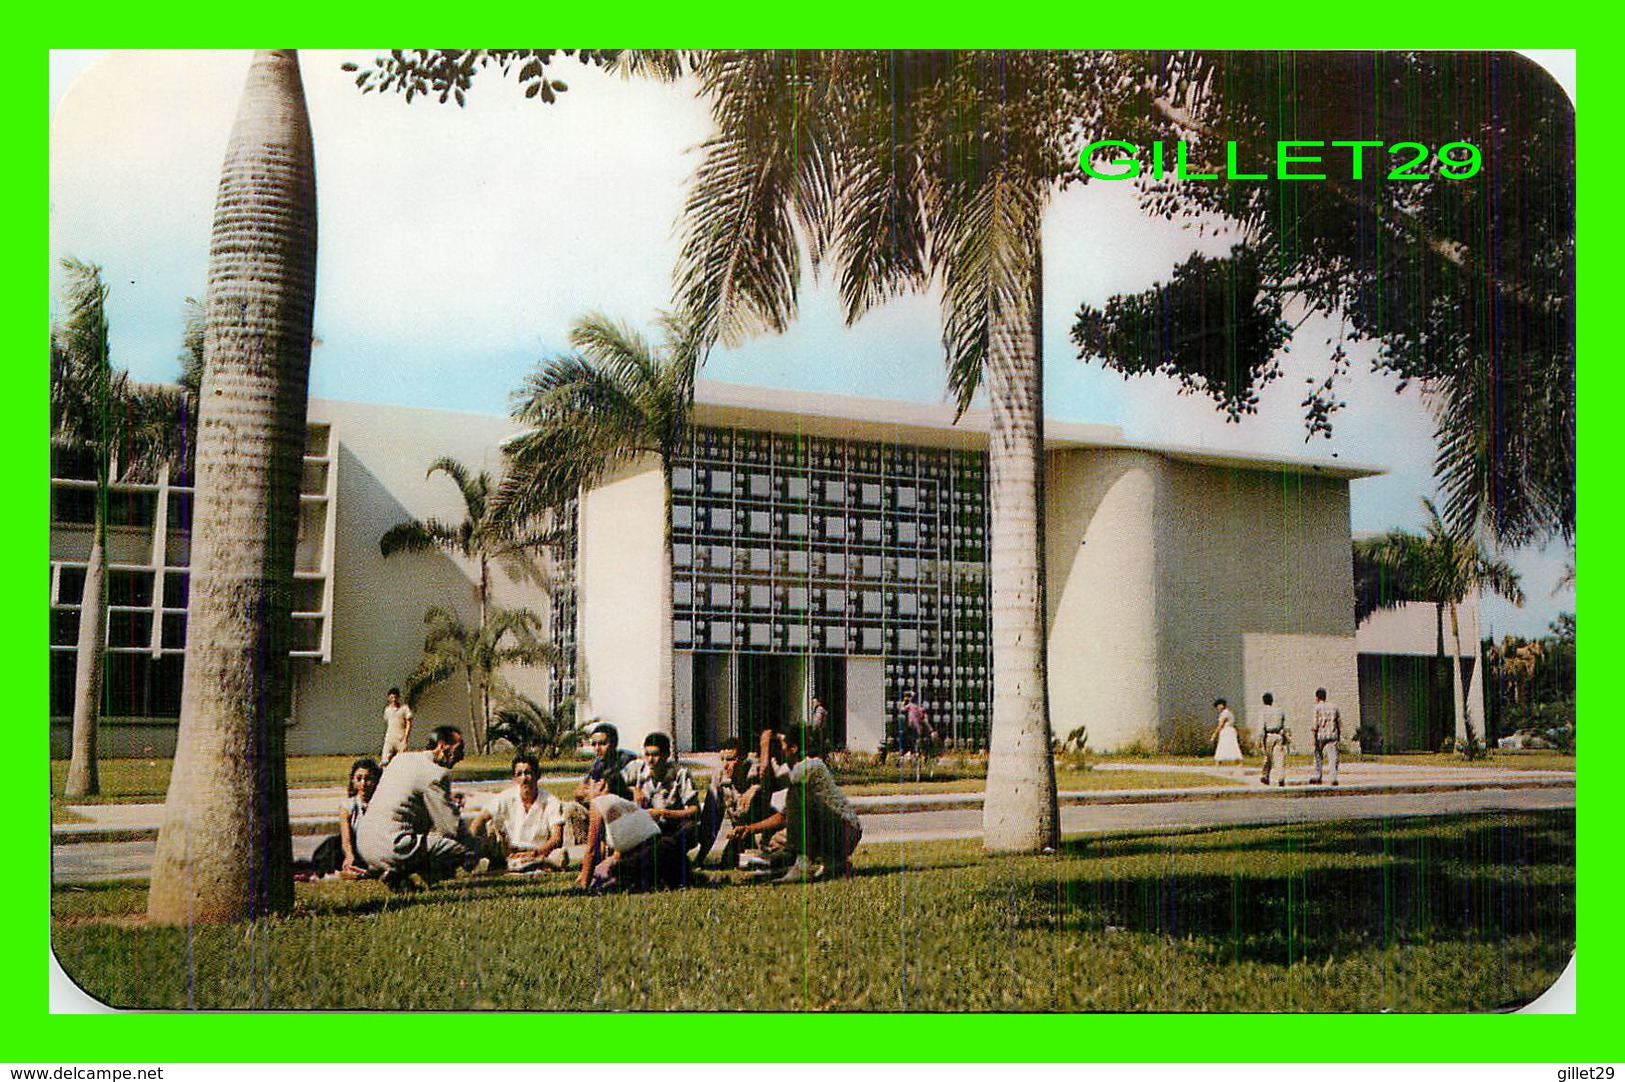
[829,684]
[772,691]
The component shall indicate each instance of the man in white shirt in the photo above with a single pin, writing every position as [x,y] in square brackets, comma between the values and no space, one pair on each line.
[397,727]
[413,824]
[524,822]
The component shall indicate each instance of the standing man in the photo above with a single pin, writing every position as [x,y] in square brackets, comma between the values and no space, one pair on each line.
[818,719]
[397,727]
[1328,731]
[1272,721]
[413,824]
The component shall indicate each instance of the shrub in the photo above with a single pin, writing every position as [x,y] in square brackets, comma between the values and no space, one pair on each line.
[1187,736]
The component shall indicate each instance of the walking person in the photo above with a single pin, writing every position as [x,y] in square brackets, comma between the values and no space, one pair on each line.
[1227,746]
[397,727]
[1272,722]
[1328,732]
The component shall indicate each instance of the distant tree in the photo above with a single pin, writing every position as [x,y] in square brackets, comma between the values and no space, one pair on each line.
[224,849]
[129,432]
[1443,569]
[478,654]
[619,397]
[1468,285]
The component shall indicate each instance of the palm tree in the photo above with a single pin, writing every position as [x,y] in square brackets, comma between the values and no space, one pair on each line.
[224,850]
[452,648]
[618,398]
[1442,568]
[552,733]
[486,533]
[909,170]
[129,432]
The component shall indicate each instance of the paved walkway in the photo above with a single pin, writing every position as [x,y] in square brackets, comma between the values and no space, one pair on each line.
[117,841]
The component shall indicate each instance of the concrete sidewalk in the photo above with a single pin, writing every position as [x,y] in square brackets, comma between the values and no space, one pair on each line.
[315,811]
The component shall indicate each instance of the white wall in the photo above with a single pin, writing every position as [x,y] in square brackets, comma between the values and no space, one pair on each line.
[1173,583]
[866,706]
[383,454]
[619,569]
[1101,559]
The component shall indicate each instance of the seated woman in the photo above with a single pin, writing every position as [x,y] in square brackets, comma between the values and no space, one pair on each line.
[820,826]
[338,853]
[524,824]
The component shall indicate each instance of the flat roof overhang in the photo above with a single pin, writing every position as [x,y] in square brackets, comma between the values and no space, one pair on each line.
[732,405]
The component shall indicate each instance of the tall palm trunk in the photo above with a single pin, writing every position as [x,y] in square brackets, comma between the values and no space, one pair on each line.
[224,851]
[89,662]
[1019,812]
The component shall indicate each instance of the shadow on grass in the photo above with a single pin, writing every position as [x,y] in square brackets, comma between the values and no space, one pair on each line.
[1316,891]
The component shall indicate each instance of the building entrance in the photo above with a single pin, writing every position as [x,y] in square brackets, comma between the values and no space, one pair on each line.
[739,695]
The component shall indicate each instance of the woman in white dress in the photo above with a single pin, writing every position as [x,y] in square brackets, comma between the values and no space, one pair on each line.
[1227,749]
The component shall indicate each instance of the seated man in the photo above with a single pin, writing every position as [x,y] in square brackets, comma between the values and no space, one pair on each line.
[738,795]
[820,825]
[667,792]
[413,825]
[524,822]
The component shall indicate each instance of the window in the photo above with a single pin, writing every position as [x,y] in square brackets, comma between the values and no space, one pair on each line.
[871,531]
[869,493]
[834,600]
[872,603]
[907,496]
[908,533]
[682,593]
[796,635]
[682,555]
[871,567]
[761,522]
[795,488]
[682,516]
[761,560]
[796,599]
[797,562]
[835,491]
[835,528]
[682,479]
[797,526]
[722,519]
[722,481]
[871,640]
[761,597]
[761,485]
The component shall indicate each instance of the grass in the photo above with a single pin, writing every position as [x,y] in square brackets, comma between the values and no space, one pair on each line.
[1466,913]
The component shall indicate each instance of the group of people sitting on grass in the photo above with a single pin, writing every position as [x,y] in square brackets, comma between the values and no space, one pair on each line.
[633,822]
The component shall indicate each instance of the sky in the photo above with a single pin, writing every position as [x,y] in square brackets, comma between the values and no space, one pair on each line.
[457,246]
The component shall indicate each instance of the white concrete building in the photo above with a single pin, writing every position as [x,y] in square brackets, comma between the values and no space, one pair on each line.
[820,545]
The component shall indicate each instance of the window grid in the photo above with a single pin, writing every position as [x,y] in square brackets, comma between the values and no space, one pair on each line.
[794,544]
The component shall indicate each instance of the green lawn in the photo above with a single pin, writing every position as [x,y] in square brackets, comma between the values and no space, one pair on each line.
[1463,914]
